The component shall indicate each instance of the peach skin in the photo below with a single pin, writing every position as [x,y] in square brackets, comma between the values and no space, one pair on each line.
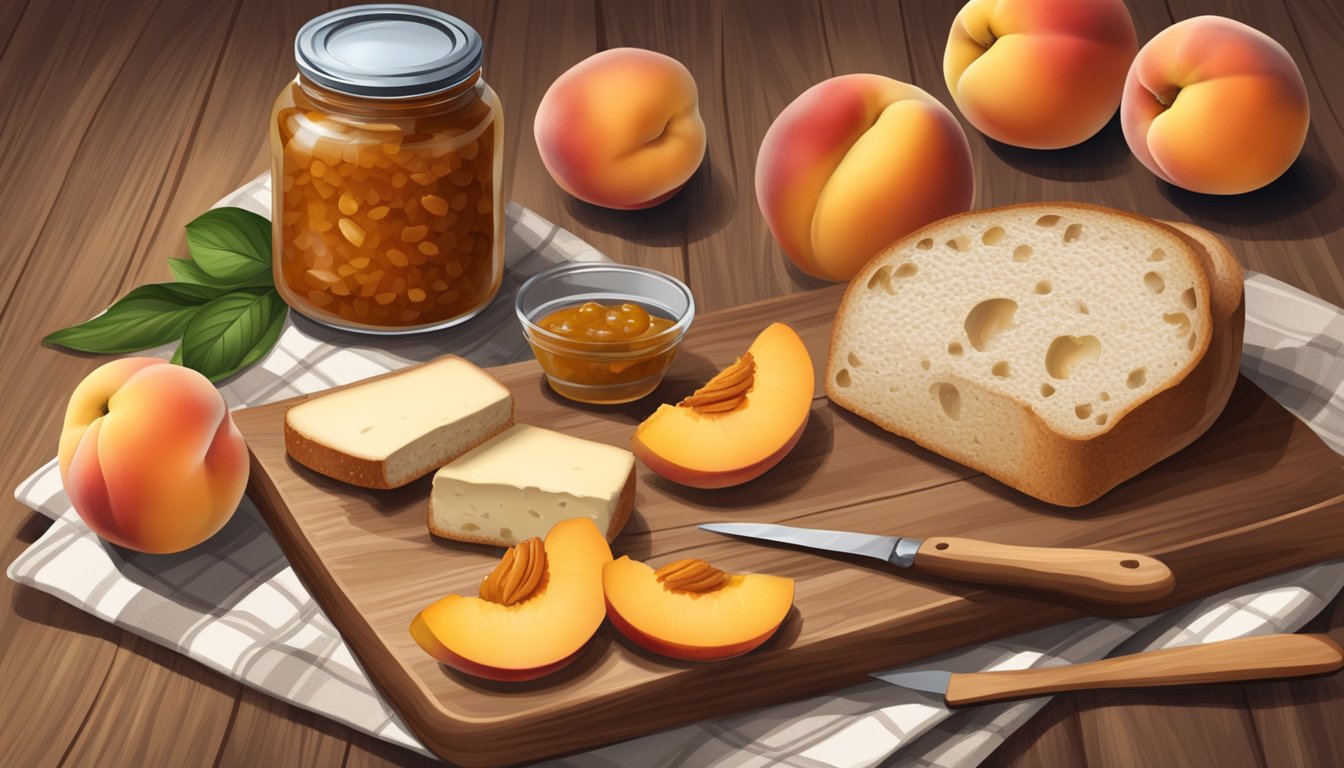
[150,456]
[621,128]
[1042,74]
[1214,106]
[854,163]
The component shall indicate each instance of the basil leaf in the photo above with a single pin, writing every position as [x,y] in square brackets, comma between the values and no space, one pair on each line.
[188,271]
[230,244]
[233,332]
[148,316]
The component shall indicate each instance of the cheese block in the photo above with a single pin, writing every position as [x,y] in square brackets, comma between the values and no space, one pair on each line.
[527,479]
[388,431]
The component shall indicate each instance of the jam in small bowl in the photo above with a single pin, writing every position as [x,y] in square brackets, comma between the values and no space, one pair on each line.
[604,333]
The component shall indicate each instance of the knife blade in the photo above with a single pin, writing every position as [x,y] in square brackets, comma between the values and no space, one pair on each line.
[1248,658]
[1096,576]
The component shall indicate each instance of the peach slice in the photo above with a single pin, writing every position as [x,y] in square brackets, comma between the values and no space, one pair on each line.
[740,424]
[536,611]
[691,610]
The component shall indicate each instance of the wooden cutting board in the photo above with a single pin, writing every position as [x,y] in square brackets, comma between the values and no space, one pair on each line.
[1258,494]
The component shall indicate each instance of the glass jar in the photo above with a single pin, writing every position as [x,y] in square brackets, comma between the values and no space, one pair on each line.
[388,214]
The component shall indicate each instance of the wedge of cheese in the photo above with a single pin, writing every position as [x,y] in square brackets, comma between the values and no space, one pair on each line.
[386,432]
[523,481]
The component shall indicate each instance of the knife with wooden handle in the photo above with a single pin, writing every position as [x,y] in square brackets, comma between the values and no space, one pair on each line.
[1249,658]
[1095,576]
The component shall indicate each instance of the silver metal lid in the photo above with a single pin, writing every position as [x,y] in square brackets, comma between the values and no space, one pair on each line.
[387,51]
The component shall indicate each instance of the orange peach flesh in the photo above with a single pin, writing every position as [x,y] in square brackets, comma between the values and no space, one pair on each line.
[726,622]
[425,638]
[533,637]
[714,450]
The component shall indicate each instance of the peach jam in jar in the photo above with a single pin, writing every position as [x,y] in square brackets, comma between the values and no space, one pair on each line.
[385,164]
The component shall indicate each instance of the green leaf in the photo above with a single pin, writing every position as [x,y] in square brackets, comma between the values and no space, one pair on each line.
[233,332]
[230,244]
[148,316]
[177,356]
[188,271]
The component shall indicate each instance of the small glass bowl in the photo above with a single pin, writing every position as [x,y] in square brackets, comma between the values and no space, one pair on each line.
[604,372]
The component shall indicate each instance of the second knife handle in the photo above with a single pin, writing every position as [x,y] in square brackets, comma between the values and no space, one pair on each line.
[1247,658]
[1091,575]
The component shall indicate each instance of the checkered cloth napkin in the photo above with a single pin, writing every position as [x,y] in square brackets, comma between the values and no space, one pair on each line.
[236,605]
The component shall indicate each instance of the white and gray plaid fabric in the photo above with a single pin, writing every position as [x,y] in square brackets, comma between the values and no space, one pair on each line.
[236,605]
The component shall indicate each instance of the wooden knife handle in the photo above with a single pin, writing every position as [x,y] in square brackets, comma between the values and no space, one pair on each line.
[1091,575]
[1247,658]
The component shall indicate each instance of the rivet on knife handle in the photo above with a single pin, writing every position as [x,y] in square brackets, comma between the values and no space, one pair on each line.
[1248,658]
[1091,575]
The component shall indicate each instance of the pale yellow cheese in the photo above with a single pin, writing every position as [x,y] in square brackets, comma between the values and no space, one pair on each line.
[409,422]
[524,480]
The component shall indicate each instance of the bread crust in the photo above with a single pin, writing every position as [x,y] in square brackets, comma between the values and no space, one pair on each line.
[332,463]
[1070,471]
[367,473]
[625,504]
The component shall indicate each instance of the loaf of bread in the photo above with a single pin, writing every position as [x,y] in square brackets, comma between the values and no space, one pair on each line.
[388,431]
[1060,348]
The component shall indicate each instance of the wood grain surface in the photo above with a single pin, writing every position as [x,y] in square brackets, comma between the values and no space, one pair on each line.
[1259,489]
[124,119]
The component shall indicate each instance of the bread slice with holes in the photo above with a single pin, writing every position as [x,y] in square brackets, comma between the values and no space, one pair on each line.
[1060,348]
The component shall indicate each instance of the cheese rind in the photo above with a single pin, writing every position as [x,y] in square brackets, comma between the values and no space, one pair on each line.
[387,432]
[526,479]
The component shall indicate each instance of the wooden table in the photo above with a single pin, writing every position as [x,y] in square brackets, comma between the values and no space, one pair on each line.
[125,119]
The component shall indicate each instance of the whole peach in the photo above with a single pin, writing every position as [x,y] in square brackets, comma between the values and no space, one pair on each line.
[1215,106]
[150,456]
[1042,74]
[621,128]
[856,162]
